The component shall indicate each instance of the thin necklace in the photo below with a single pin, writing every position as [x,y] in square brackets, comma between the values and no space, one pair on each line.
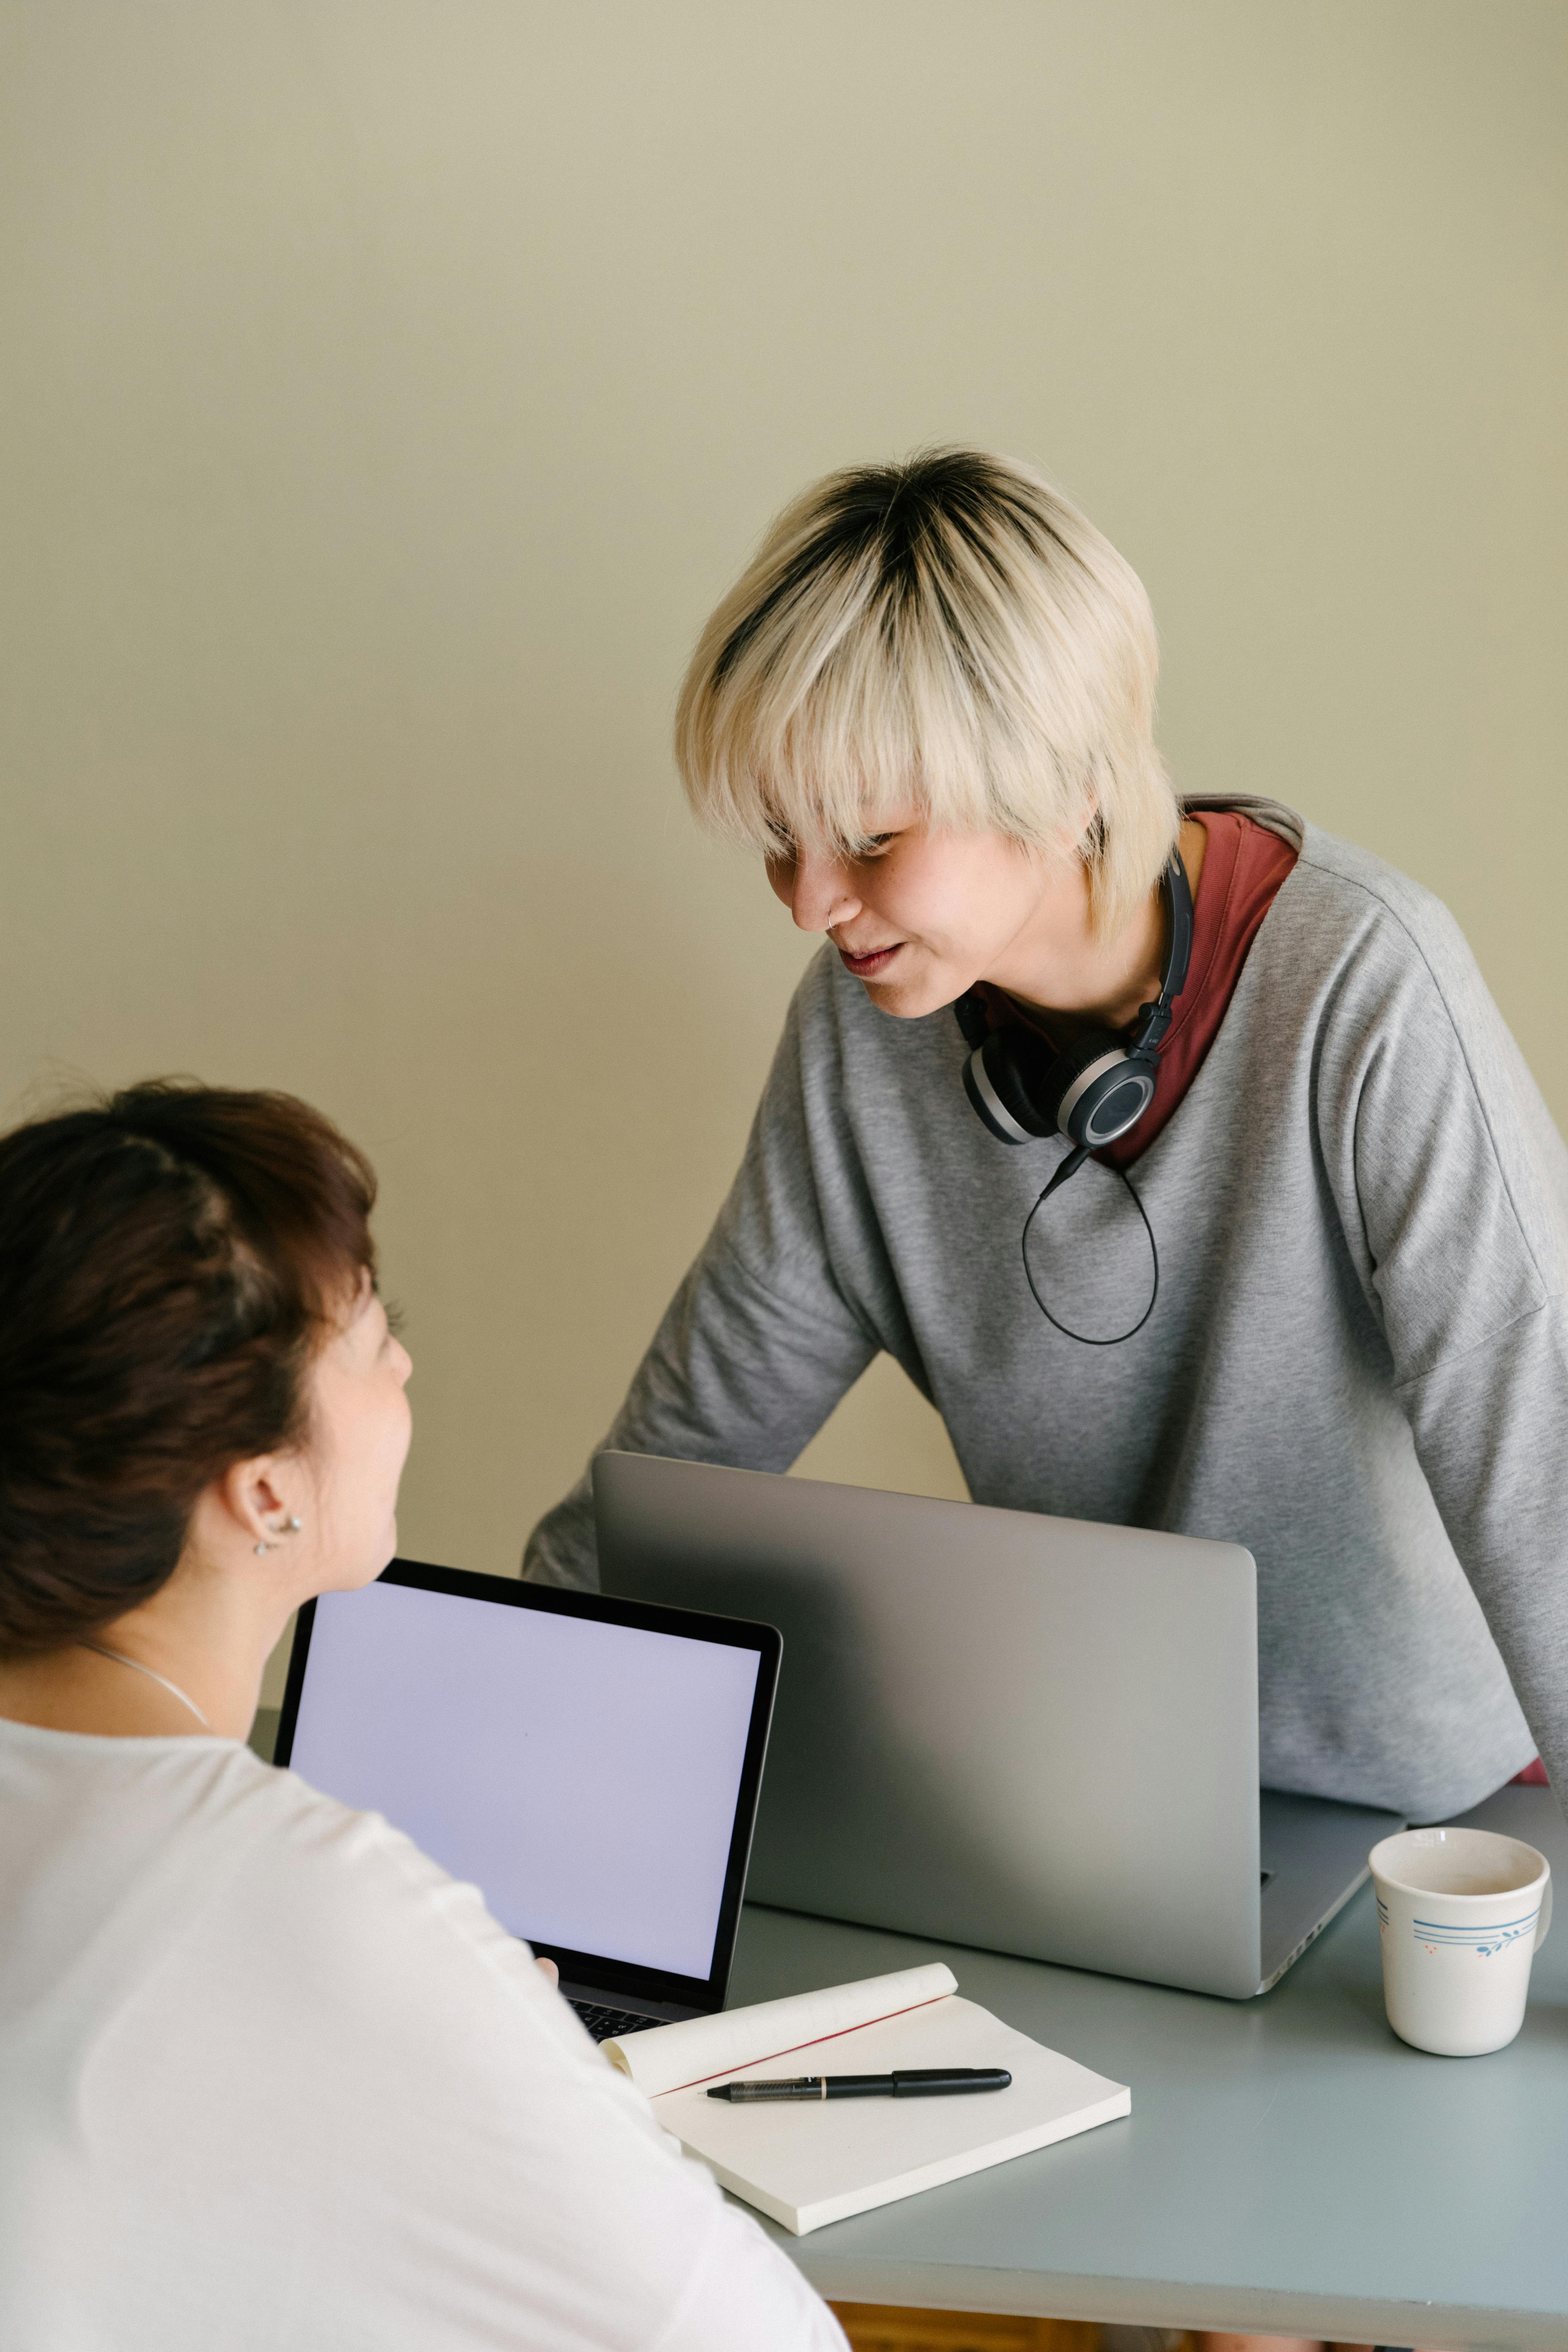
[173,1689]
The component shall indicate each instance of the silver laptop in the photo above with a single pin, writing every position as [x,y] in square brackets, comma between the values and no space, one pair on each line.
[590,1765]
[1034,1735]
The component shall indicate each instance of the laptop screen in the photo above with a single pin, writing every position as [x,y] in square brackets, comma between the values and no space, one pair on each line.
[582,1761]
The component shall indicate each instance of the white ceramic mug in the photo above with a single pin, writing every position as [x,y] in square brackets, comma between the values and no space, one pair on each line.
[1461,1914]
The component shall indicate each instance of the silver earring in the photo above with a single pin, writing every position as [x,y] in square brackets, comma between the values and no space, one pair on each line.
[293,1526]
[261,1547]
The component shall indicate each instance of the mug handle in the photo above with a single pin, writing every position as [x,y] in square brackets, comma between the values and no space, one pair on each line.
[1544,1925]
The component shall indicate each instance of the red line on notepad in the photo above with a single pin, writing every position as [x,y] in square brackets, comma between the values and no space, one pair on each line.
[767,2056]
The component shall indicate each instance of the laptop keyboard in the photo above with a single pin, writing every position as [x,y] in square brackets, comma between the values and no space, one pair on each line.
[609,2024]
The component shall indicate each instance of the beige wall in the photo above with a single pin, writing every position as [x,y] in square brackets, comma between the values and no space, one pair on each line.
[392,388]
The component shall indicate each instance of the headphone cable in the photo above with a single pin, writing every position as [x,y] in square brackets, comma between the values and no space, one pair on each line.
[1069,1167]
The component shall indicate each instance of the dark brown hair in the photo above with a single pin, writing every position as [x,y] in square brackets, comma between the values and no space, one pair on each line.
[170,1258]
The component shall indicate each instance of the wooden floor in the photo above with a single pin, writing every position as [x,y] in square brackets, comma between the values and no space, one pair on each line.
[873,2327]
[879,2328]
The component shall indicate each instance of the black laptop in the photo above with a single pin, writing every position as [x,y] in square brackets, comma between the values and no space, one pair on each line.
[593,1766]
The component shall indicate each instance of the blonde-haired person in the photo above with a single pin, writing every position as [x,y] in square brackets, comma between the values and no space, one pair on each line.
[928,704]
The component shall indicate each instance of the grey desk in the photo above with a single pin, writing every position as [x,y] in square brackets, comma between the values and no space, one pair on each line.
[1288,2165]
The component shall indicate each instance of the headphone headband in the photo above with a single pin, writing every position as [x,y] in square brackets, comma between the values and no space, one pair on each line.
[1150,1023]
[1104,1081]
[1153,1019]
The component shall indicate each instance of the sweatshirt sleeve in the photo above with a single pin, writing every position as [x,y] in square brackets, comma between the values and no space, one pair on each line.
[1453,1190]
[760,1342]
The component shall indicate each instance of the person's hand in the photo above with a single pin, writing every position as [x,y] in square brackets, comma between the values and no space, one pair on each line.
[552,1973]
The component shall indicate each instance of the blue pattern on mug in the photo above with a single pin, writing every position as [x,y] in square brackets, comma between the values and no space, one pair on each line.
[1432,1933]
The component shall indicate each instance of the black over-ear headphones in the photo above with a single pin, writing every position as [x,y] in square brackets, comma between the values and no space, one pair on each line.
[1095,1091]
[1104,1082]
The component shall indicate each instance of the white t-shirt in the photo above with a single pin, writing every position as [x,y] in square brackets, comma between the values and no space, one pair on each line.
[269,2078]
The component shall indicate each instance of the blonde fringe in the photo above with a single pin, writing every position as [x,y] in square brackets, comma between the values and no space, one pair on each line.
[949,630]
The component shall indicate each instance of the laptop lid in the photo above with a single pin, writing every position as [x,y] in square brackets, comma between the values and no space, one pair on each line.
[1033,1734]
[592,1764]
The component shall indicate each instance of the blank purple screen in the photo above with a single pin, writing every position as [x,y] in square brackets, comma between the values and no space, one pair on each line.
[583,1776]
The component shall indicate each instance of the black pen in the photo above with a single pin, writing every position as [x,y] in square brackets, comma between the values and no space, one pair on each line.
[917,2083]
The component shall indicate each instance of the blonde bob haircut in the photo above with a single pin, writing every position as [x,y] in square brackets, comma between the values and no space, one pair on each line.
[949,630]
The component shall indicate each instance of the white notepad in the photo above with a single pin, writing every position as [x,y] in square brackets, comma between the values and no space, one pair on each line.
[807,2164]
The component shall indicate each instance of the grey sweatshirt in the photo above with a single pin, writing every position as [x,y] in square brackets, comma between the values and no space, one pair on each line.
[1357,1363]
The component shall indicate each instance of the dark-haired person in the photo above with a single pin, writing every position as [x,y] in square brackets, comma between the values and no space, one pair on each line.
[928,704]
[267,2076]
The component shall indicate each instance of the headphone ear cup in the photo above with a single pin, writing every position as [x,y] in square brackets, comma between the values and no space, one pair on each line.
[1098,1089]
[1003,1078]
